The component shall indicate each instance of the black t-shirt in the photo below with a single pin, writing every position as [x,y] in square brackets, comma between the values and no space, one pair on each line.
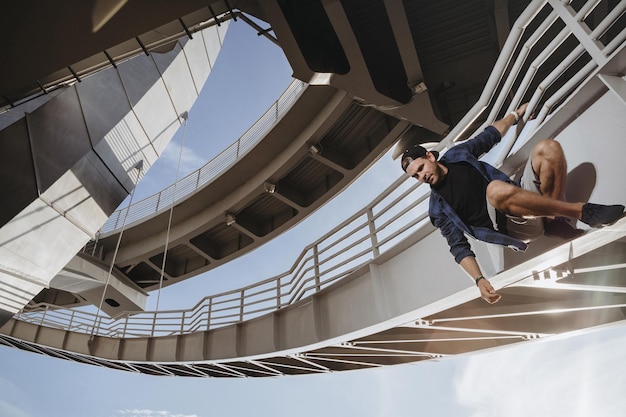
[465,189]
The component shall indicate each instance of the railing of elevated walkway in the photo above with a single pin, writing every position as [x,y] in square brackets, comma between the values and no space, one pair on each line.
[400,211]
[127,51]
[208,172]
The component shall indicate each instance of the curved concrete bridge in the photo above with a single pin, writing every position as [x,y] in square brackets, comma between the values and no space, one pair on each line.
[380,310]
[70,157]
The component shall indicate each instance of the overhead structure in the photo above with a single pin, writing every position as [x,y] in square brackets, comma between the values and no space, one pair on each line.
[71,153]
[351,117]
[355,298]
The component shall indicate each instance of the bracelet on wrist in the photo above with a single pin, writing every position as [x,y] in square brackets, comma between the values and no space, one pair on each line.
[478,279]
[517,116]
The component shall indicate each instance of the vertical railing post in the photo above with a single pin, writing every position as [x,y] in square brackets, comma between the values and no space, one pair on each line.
[241,301]
[158,201]
[71,322]
[125,326]
[208,325]
[182,323]
[117,220]
[95,244]
[316,267]
[278,293]
[373,237]
[97,329]
[43,316]
[154,317]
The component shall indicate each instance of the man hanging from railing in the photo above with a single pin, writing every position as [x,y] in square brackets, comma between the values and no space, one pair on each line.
[471,197]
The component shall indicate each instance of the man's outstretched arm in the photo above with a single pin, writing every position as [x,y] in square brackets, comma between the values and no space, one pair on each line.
[461,250]
[487,292]
[509,120]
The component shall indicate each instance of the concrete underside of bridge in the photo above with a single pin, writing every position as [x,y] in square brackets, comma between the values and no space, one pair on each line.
[411,74]
[69,157]
[391,311]
[392,83]
[396,86]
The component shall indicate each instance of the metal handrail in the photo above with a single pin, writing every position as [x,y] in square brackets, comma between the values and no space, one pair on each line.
[140,49]
[209,171]
[337,254]
[397,213]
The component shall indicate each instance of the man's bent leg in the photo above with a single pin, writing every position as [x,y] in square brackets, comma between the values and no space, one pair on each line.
[519,202]
[524,228]
[547,167]
[550,168]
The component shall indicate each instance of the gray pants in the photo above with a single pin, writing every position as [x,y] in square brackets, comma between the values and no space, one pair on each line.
[527,228]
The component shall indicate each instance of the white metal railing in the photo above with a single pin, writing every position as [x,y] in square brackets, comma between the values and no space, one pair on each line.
[396,214]
[208,172]
[77,74]
[390,218]
[516,53]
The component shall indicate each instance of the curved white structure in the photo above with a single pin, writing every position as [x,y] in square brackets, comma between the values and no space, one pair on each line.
[357,300]
[79,153]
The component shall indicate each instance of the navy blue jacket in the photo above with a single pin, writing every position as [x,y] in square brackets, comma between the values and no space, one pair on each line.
[445,218]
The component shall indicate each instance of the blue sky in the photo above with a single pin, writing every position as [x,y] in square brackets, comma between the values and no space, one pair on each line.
[576,375]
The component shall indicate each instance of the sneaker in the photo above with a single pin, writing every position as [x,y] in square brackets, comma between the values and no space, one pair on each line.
[560,227]
[598,215]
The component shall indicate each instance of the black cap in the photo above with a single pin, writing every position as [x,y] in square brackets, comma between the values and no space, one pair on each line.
[413,153]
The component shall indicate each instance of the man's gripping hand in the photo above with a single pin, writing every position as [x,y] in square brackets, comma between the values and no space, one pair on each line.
[487,292]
